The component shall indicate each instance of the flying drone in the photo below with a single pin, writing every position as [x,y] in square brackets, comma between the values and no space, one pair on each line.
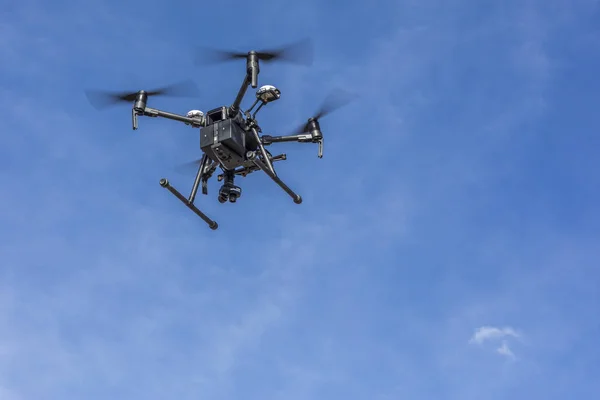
[231,139]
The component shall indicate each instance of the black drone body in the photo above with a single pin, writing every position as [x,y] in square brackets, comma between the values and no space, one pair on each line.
[231,139]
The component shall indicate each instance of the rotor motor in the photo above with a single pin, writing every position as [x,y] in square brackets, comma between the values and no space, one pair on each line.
[314,128]
[253,68]
[140,101]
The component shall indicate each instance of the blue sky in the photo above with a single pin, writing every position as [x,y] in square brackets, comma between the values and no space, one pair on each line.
[447,246]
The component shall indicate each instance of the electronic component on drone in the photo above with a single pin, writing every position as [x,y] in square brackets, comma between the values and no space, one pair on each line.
[195,114]
[268,93]
[223,139]
[229,138]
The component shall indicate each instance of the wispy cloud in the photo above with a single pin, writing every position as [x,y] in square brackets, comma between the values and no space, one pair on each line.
[496,335]
[505,350]
[486,333]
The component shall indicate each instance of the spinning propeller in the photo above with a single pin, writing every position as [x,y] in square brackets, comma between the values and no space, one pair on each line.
[103,99]
[300,52]
[335,100]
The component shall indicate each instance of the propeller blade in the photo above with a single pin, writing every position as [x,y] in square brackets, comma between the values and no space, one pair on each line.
[300,52]
[336,99]
[102,99]
[188,166]
[300,129]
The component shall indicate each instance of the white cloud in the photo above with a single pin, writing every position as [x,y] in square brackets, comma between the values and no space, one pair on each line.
[505,350]
[494,334]
[486,333]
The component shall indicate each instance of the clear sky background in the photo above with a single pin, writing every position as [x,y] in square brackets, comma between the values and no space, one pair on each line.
[447,246]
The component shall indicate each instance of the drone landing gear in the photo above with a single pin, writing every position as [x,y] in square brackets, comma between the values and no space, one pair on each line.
[229,191]
[190,204]
[190,201]
[258,162]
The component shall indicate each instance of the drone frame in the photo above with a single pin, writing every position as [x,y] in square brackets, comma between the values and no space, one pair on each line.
[254,160]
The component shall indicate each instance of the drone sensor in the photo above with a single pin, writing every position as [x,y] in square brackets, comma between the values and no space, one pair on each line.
[268,93]
[195,114]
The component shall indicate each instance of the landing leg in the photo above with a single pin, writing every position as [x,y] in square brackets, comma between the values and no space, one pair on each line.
[165,183]
[252,156]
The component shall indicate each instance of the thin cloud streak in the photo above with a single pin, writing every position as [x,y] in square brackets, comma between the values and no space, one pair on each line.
[485,333]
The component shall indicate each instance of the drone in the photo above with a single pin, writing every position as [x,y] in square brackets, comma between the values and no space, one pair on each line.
[231,139]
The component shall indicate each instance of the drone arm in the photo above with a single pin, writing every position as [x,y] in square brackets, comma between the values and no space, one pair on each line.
[251,79]
[302,138]
[234,108]
[152,112]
